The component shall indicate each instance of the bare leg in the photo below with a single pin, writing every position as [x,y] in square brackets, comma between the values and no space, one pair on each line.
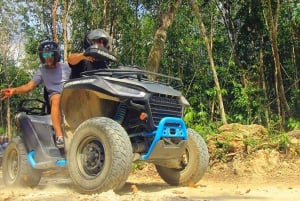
[56,114]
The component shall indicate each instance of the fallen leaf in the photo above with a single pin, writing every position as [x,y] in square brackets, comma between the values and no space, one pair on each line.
[134,188]
[193,185]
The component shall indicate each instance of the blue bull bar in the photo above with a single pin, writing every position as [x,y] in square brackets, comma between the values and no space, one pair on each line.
[168,127]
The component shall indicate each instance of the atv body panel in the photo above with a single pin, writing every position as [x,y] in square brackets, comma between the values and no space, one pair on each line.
[125,96]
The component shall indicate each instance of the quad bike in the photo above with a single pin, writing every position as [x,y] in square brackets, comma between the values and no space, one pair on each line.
[112,118]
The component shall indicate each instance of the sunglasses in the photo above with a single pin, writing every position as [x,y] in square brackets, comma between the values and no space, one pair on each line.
[47,54]
[100,41]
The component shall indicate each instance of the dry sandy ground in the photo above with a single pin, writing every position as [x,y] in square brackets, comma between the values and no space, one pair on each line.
[263,177]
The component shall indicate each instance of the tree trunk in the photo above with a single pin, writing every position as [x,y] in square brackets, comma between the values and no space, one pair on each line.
[263,83]
[53,12]
[104,16]
[65,28]
[211,60]
[231,30]
[272,24]
[160,37]
[110,26]
[296,61]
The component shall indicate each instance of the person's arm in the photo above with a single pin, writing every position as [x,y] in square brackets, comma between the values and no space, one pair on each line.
[18,90]
[75,58]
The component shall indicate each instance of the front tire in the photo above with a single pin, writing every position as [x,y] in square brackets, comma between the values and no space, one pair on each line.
[16,168]
[194,163]
[100,156]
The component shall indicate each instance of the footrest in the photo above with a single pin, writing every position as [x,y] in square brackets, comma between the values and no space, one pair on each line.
[50,163]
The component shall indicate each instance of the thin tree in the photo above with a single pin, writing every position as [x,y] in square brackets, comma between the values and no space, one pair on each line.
[67,6]
[262,81]
[160,36]
[271,17]
[53,12]
[208,43]
[226,13]
[295,39]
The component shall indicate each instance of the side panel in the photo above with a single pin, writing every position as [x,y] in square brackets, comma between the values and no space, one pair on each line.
[38,137]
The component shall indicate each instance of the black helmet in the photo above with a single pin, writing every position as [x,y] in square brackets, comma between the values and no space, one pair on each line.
[93,35]
[49,46]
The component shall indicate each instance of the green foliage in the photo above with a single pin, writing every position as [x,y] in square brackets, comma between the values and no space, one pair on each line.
[2,130]
[200,122]
[284,142]
[293,124]
[251,142]
[281,140]
[32,46]
[18,77]
[239,37]
[139,165]
[296,12]
[245,102]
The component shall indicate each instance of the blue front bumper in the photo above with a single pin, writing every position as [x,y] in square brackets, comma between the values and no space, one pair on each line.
[168,127]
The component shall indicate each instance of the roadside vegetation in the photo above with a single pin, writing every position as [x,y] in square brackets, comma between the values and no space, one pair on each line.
[238,60]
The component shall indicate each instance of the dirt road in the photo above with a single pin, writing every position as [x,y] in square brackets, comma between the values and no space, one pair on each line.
[145,189]
[224,182]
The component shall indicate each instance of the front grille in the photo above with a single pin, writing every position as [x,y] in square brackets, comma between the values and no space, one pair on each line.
[162,105]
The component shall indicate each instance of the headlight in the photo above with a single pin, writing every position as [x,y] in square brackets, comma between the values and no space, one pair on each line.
[125,91]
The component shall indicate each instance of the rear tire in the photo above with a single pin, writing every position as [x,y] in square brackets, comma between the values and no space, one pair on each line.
[100,156]
[16,168]
[194,163]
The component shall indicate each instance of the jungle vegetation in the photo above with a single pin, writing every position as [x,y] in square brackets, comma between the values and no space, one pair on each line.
[239,60]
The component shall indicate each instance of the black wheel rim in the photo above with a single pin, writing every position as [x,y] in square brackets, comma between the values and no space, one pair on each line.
[13,164]
[91,156]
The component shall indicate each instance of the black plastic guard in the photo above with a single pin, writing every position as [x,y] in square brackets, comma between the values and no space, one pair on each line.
[37,135]
[166,151]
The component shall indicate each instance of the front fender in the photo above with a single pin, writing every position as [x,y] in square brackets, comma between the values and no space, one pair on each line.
[79,105]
